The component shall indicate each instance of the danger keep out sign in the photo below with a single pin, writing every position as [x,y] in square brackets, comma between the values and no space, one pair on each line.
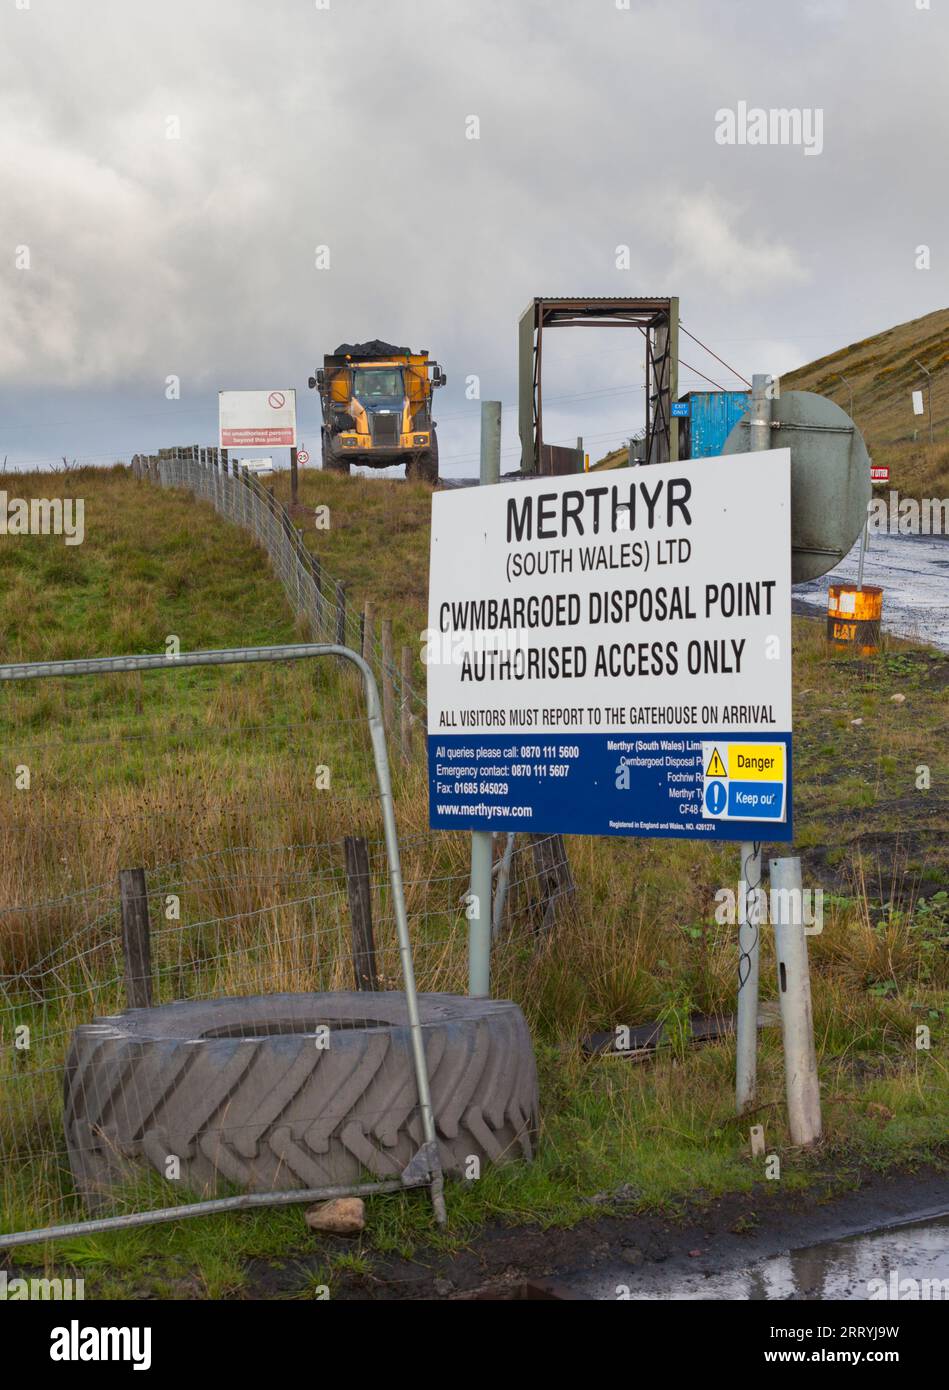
[610,653]
[257,419]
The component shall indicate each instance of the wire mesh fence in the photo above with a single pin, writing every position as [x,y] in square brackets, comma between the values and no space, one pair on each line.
[314,594]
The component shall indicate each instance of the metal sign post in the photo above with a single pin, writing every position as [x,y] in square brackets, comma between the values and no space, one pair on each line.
[749,884]
[864,542]
[482,841]
[794,996]
[929,396]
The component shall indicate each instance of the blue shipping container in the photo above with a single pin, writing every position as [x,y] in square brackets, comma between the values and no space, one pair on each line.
[711,417]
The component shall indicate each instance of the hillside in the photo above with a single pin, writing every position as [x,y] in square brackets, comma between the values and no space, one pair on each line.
[881,372]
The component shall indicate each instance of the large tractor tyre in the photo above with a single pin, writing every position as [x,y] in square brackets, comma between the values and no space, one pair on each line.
[332,461]
[247,1092]
[424,466]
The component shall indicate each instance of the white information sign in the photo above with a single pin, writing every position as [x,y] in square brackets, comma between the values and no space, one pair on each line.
[610,653]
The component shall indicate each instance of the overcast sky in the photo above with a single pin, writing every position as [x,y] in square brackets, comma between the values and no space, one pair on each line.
[345,124]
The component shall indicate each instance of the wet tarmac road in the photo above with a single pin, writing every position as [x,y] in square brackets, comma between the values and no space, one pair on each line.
[913,572]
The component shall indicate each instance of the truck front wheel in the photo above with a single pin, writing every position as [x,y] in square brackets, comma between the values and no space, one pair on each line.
[331,459]
[424,466]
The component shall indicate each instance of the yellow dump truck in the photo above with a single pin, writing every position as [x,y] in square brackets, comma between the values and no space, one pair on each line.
[377,408]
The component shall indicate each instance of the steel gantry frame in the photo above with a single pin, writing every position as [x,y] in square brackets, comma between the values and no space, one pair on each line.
[658,321]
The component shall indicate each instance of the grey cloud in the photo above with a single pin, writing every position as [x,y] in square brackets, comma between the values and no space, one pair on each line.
[346,127]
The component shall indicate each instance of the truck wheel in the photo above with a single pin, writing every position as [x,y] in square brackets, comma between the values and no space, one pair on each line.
[241,1091]
[331,459]
[424,466]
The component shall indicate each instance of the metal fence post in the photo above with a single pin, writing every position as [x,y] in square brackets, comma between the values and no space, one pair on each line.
[388,685]
[482,841]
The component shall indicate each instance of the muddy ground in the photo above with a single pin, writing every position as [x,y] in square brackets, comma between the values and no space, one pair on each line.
[701,1237]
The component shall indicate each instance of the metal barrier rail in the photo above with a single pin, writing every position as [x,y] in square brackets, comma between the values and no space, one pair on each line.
[425,1167]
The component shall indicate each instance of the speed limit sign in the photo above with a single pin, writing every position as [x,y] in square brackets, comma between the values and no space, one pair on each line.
[303,456]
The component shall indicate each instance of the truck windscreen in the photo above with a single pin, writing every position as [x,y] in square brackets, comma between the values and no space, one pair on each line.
[374,382]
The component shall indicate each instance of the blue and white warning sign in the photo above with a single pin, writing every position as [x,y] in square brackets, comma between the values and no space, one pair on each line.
[610,653]
[744,781]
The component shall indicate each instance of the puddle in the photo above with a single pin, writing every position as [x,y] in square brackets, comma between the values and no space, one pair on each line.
[529,1290]
[908,1262]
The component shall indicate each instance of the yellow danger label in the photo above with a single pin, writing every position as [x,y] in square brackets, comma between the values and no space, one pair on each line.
[756,762]
[716,768]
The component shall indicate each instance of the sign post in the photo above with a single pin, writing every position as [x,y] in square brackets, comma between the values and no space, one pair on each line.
[482,841]
[794,995]
[929,395]
[749,861]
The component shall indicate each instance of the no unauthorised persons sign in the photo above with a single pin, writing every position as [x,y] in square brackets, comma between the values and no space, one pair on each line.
[257,419]
[611,654]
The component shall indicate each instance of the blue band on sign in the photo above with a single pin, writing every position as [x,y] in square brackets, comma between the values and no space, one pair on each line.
[756,800]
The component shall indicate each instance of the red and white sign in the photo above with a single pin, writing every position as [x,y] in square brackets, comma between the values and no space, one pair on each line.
[303,457]
[257,419]
[879,472]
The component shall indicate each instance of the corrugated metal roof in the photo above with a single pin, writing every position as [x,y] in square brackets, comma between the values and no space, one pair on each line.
[602,299]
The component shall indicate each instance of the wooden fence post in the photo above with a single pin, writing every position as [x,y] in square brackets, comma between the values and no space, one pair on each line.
[360,911]
[367,633]
[318,606]
[136,941]
[552,867]
[405,710]
[388,688]
[340,614]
